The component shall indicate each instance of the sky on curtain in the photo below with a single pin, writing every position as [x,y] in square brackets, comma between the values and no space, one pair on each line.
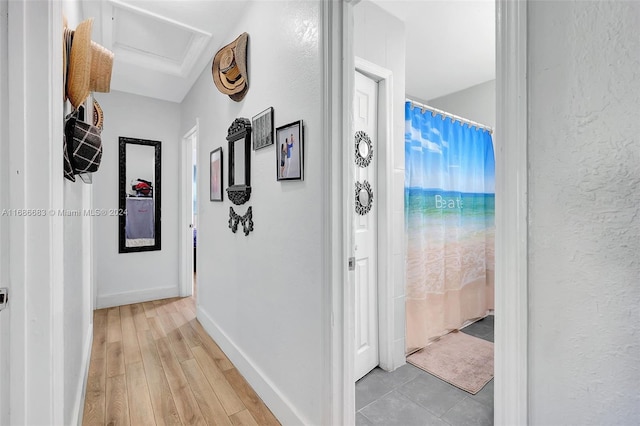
[443,154]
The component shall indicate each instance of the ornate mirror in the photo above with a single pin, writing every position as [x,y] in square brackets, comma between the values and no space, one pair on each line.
[364,149]
[139,223]
[364,198]
[239,137]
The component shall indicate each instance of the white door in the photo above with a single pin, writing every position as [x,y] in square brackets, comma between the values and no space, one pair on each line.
[188,219]
[365,223]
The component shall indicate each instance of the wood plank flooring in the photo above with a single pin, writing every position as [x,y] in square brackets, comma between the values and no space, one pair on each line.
[152,363]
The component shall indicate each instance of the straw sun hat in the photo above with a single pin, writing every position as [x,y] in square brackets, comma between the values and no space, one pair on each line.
[101,66]
[88,66]
[79,65]
[229,68]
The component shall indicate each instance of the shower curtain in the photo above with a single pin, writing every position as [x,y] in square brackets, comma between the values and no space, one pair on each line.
[449,217]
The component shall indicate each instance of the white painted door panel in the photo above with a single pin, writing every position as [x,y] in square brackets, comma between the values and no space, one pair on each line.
[366,287]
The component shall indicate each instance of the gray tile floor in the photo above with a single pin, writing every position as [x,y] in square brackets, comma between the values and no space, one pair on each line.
[411,396]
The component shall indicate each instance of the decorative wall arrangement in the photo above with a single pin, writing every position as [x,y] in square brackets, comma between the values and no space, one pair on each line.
[263,129]
[290,151]
[364,198]
[239,138]
[363,157]
[364,149]
[239,190]
[229,68]
[247,221]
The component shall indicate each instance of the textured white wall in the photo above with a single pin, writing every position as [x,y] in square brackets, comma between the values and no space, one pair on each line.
[133,277]
[380,38]
[264,291]
[584,212]
[476,103]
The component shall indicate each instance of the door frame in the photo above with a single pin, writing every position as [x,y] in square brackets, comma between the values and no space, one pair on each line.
[186,244]
[511,304]
[384,224]
[37,352]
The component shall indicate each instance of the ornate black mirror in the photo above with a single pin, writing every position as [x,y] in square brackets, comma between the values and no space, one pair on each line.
[364,197]
[364,149]
[139,195]
[239,137]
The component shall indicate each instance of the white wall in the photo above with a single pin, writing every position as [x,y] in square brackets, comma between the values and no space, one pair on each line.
[135,277]
[380,38]
[4,220]
[260,295]
[584,212]
[476,103]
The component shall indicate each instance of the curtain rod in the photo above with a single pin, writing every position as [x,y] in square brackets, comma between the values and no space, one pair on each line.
[448,114]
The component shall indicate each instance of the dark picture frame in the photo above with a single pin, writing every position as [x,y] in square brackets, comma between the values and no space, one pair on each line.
[262,129]
[216,165]
[290,151]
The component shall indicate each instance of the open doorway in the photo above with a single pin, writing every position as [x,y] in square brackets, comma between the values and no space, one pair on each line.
[189,213]
[405,381]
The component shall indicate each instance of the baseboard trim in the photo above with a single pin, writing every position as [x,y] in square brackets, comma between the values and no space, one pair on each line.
[270,394]
[137,296]
[78,408]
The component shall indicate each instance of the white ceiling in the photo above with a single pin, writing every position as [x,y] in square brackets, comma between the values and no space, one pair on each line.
[450,44]
[162,46]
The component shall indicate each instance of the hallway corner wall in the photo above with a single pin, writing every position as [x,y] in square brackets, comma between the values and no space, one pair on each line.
[380,39]
[260,296]
[124,278]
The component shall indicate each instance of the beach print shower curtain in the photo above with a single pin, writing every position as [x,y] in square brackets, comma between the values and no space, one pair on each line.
[449,216]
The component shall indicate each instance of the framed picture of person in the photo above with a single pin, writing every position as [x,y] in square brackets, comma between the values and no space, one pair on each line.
[290,151]
[215,174]
[262,129]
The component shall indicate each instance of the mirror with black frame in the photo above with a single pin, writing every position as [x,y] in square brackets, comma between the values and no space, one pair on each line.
[139,223]
[239,137]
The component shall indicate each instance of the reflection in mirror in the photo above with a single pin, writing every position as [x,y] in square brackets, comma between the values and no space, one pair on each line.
[363,148]
[363,197]
[238,162]
[140,223]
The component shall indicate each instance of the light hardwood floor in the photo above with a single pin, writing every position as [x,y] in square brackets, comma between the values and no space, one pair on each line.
[152,363]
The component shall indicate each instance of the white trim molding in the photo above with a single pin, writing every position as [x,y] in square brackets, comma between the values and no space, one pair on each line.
[137,296]
[81,392]
[186,246]
[281,407]
[386,302]
[36,243]
[511,328]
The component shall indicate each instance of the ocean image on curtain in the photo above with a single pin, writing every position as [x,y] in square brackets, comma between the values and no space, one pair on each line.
[449,217]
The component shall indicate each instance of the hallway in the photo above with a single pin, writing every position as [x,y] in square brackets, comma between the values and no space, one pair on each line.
[153,363]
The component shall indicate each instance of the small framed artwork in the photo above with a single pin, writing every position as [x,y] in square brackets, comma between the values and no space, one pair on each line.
[262,129]
[215,176]
[290,151]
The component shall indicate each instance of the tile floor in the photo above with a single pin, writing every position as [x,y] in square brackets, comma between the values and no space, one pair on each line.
[411,396]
